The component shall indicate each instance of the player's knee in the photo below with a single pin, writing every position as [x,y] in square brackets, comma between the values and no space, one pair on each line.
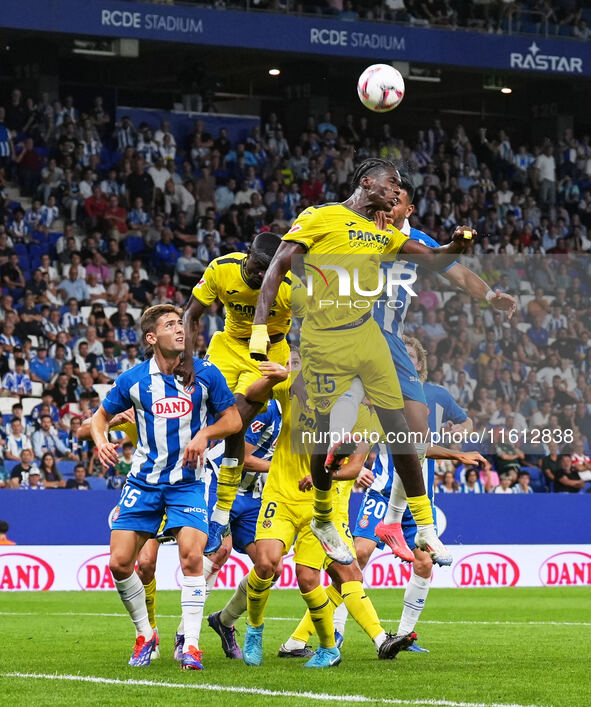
[192,562]
[307,578]
[423,566]
[146,570]
[120,567]
[266,566]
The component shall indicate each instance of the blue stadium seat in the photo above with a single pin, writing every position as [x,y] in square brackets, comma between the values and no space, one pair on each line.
[66,468]
[9,465]
[134,244]
[565,31]
[97,483]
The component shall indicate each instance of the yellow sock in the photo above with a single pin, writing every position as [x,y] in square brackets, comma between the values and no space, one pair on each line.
[150,590]
[257,594]
[228,481]
[321,611]
[336,599]
[420,507]
[304,629]
[361,609]
[323,505]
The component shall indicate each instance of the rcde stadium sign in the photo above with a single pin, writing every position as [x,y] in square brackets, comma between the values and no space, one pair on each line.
[304,35]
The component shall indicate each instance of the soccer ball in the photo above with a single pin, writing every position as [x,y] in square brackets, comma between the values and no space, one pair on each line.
[380,88]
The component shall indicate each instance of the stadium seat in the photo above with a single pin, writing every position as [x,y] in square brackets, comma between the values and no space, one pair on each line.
[102,389]
[6,405]
[85,311]
[134,245]
[66,468]
[97,483]
[29,404]
[37,388]
[524,326]
[9,465]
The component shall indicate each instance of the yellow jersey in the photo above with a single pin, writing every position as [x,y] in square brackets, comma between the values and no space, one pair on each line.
[291,460]
[224,279]
[129,429]
[341,267]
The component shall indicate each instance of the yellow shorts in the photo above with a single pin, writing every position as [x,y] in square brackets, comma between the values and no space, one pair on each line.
[290,523]
[331,359]
[232,357]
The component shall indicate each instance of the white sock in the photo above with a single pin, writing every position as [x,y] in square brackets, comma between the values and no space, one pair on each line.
[133,596]
[192,602]
[397,503]
[415,597]
[210,575]
[181,628]
[339,618]
[292,645]
[379,639]
[220,516]
[236,606]
[343,415]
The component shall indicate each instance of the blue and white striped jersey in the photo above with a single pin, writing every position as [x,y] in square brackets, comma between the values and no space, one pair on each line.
[168,416]
[390,312]
[442,408]
[262,434]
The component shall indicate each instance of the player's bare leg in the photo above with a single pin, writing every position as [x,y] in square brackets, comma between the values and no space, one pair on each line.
[146,570]
[125,547]
[230,474]
[410,473]
[322,524]
[191,544]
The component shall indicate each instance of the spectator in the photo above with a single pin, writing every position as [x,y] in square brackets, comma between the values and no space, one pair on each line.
[79,482]
[4,528]
[74,287]
[52,479]
[19,476]
[505,485]
[448,484]
[46,439]
[472,483]
[523,483]
[18,382]
[566,479]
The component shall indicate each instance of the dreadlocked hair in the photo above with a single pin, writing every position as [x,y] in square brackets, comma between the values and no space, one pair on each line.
[373,164]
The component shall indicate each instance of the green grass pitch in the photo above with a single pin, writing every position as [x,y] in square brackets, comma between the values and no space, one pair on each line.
[488,647]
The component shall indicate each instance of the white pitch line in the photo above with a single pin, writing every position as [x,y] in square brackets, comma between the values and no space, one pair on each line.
[290,618]
[256,691]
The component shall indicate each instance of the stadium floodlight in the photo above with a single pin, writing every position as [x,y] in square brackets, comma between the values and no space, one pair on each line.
[274,72]
[506,90]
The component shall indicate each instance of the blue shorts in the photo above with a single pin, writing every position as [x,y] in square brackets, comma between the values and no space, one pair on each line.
[373,510]
[243,521]
[142,506]
[411,386]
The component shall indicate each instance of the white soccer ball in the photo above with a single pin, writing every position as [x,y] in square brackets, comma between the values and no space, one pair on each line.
[380,88]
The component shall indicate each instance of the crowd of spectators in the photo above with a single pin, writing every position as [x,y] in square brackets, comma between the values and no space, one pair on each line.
[122,216]
[567,18]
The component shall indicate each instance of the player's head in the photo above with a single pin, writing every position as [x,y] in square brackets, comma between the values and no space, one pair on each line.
[162,329]
[378,179]
[417,355]
[260,255]
[295,360]
[403,207]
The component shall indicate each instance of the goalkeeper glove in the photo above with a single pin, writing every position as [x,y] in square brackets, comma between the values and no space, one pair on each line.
[259,342]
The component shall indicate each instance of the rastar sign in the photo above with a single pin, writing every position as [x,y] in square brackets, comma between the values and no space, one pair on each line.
[535,61]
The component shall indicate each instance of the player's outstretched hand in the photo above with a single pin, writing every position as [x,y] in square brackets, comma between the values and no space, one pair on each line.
[107,454]
[365,478]
[186,371]
[504,302]
[464,236]
[470,458]
[195,451]
[298,388]
[122,417]
[306,483]
[259,342]
[273,371]
[381,220]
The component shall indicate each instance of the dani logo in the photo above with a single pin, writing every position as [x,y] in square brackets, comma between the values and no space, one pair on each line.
[172,407]
[21,571]
[486,569]
[566,569]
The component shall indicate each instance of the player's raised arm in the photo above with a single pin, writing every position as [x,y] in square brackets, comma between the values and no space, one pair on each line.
[276,271]
[120,418]
[478,289]
[191,317]
[256,465]
[272,374]
[99,426]
[439,258]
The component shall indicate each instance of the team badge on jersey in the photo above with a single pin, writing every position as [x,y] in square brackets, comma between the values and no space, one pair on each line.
[364,522]
[267,524]
[189,389]
[324,403]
